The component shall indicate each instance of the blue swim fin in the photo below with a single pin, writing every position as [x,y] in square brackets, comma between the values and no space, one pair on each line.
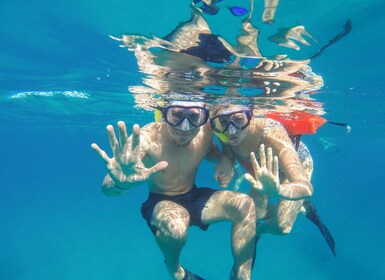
[312,215]
[232,273]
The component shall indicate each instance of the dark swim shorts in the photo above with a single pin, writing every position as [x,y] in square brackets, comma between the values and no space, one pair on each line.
[193,201]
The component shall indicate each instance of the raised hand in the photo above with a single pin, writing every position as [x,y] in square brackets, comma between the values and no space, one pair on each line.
[266,178]
[126,167]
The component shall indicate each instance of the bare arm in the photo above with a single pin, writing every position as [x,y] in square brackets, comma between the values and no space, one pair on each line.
[214,154]
[224,171]
[296,186]
[260,199]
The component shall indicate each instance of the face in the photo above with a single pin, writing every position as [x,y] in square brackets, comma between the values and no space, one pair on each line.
[184,120]
[231,123]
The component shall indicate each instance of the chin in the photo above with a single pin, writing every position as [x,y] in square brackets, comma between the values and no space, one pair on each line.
[234,141]
[182,142]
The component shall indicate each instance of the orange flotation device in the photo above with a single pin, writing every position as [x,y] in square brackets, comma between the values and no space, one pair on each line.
[298,122]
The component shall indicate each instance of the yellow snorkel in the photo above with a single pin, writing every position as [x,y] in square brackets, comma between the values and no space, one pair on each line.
[224,138]
[157,115]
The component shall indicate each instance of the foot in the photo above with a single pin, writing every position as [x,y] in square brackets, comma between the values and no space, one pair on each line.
[191,276]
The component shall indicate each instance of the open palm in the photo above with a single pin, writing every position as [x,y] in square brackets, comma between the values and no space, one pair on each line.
[125,166]
[266,174]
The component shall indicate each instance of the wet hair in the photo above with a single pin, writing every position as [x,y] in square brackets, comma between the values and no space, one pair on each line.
[219,107]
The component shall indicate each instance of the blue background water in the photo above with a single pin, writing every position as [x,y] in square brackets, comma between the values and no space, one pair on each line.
[56,224]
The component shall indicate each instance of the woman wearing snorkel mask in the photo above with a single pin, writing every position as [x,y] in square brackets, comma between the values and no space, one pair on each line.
[253,142]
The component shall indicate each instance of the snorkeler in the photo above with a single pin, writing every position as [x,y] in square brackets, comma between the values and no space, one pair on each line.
[244,139]
[243,135]
[167,155]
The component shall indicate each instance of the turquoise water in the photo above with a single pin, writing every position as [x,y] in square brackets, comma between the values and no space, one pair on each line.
[63,80]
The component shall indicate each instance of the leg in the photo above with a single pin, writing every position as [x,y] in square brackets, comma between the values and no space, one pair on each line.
[261,203]
[171,221]
[239,209]
[281,223]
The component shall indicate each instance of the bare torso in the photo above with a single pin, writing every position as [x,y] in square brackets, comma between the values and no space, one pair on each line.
[183,161]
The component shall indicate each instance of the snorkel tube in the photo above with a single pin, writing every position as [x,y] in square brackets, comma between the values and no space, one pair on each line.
[157,115]
[223,137]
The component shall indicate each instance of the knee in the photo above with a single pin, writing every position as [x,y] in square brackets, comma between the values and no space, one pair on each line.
[174,228]
[284,229]
[173,225]
[245,207]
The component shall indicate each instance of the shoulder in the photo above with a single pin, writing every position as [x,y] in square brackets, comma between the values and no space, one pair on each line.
[204,138]
[273,130]
[262,127]
[151,132]
[265,125]
[206,132]
[151,128]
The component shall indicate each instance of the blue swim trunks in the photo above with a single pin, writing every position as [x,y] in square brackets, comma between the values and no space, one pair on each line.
[193,201]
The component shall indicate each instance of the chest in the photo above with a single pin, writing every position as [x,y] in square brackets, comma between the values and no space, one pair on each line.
[179,158]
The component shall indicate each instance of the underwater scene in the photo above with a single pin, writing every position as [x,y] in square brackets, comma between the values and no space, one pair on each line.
[71,71]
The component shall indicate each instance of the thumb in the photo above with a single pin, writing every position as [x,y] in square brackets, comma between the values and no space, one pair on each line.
[217,174]
[252,181]
[250,178]
[224,184]
[158,167]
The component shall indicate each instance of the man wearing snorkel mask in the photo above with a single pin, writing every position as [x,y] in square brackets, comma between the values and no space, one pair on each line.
[244,139]
[167,155]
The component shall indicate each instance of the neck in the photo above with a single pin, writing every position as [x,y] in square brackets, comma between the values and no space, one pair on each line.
[239,154]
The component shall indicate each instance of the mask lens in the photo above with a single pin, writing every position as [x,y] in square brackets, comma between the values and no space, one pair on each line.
[220,123]
[197,116]
[174,115]
[239,120]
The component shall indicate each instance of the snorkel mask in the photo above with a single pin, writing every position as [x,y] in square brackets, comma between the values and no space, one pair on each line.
[225,123]
[182,115]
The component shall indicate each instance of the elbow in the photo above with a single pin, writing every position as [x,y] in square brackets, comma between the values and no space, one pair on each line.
[309,190]
[297,190]
[108,191]
[306,189]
